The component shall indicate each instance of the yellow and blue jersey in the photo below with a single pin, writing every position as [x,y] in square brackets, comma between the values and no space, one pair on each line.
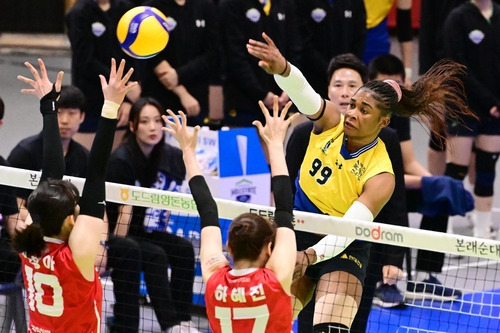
[331,178]
[377,11]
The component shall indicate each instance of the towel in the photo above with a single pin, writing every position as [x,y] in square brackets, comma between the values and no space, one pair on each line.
[443,195]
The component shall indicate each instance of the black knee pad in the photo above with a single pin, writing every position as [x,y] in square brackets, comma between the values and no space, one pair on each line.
[456,171]
[485,172]
[330,328]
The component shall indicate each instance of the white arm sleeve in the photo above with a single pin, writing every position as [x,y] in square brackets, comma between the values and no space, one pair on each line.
[331,245]
[300,91]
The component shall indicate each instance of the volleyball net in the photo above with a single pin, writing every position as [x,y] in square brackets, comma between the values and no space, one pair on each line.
[470,271]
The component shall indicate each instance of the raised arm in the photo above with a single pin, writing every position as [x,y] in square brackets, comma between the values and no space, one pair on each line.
[291,80]
[53,158]
[86,234]
[211,256]
[282,259]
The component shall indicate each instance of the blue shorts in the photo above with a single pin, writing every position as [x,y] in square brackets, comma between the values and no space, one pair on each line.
[377,41]
[470,127]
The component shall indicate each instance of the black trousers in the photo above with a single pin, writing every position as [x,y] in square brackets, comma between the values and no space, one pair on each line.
[10,262]
[124,258]
[172,300]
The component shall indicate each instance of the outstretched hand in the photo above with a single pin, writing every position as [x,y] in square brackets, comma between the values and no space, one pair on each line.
[276,125]
[118,86]
[271,60]
[178,128]
[40,82]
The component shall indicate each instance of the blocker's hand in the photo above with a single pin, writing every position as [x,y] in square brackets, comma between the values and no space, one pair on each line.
[276,125]
[187,139]
[118,84]
[41,85]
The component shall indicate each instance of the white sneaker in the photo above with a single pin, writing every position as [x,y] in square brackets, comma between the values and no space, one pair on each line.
[183,327]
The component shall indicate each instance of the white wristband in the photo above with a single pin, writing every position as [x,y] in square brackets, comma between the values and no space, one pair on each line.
[300,91]
[110,109]
[408,73]
[330,246]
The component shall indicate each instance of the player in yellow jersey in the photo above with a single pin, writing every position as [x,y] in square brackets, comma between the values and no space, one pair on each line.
[347,173]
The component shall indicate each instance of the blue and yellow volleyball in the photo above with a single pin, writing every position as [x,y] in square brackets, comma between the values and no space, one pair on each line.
[142,32]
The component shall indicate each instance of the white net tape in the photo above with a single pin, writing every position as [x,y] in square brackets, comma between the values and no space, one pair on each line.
[320,224]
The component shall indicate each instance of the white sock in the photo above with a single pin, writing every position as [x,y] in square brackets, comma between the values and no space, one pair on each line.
[421,276]
[449,229]
[483,223]
[471,217]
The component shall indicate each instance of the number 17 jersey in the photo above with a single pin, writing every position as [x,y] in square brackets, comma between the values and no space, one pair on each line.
[247,301]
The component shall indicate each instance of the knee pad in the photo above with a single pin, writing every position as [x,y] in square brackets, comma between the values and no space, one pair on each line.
[485,172]
[456,171]
[330,328]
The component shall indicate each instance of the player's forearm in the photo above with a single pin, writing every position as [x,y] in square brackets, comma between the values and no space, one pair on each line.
[406,57]
[123,220]
[53,159]
[191,162]
[205,203]
[277,159]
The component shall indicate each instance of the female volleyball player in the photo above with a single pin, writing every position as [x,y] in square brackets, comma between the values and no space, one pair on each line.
[347,172]
[254,294]
[59,248]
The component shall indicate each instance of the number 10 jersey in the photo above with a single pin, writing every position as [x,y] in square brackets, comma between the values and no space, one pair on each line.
[60,299]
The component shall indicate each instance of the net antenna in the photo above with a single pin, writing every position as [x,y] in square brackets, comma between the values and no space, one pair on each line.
[242,142]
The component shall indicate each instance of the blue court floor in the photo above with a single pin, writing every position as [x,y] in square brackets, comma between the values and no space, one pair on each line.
[464,315]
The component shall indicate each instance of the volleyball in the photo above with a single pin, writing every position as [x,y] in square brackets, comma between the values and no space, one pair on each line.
[142,32]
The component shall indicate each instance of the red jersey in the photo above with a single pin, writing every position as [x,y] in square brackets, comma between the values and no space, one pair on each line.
[253,302]
[60,299]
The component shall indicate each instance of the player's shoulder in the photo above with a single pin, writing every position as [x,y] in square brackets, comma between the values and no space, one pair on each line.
[31,142]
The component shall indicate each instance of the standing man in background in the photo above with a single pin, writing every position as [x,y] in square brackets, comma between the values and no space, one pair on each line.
[329,28]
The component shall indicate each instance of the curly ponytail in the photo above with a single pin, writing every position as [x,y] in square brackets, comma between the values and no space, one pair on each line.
[438,92]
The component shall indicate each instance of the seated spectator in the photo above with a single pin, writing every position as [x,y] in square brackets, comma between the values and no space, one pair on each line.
[144,159]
